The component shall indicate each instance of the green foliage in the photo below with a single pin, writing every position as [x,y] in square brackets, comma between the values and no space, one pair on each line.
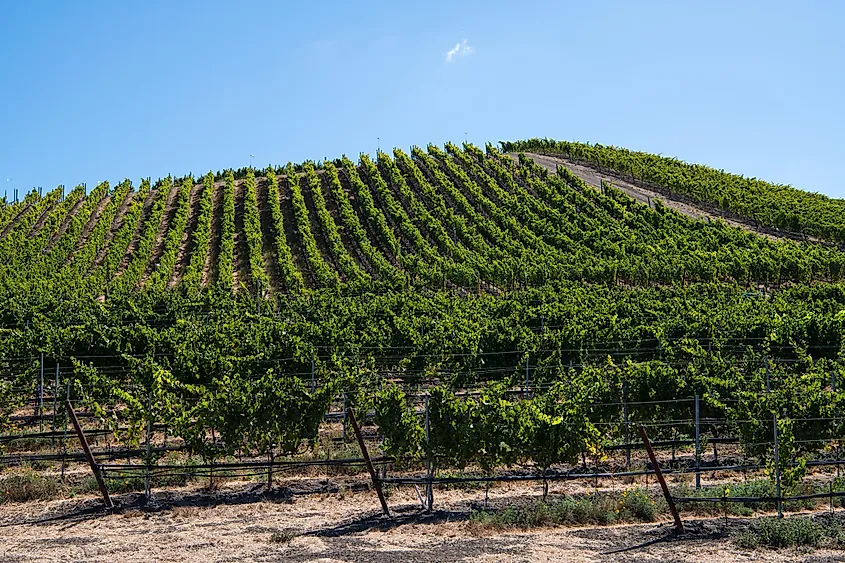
[404,435]
[291,276]
[200,238]
[355,276]
[489,430]
[225,259]
[324,275]
[252,229]
[784,532]
[443,269]
[775,205]
[592,508]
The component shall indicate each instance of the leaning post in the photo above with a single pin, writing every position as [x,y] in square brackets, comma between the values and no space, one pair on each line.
[91,461]
[365,454]
[679,526]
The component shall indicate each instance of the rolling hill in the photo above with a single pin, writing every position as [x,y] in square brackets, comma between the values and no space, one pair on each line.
[456,219]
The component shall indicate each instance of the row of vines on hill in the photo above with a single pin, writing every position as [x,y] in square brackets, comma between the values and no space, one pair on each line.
[774,205]
[458,219]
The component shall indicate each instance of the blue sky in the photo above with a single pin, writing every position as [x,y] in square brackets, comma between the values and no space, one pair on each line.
[107,90]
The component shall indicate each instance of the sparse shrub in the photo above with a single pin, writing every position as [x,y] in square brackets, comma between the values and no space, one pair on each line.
[786,532]
[747,539]
[598,508]
[638,504]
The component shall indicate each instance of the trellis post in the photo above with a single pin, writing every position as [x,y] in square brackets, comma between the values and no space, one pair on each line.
[55,405]
[89,456]
[149,436]
[368,462]
[679,525]
[697,445]
[429,491]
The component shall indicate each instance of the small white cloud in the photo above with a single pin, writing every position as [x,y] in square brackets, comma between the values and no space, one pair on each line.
[460,50]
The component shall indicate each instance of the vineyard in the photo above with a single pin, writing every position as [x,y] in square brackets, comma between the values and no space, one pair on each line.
[478,311]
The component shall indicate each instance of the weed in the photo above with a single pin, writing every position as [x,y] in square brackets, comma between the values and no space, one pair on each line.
[600,508]
[285,536]
[27,487]
[788,532]
[784,532]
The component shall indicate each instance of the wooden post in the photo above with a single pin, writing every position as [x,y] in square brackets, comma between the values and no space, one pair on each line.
[41,396]
[91,461]
[429,490]
[64,438]
[777,466]
[679,526]
[149,437]
[55,405]
[366,456]
[697,445]
[627,428]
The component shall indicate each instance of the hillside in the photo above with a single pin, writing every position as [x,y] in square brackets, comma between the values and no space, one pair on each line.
[457,219]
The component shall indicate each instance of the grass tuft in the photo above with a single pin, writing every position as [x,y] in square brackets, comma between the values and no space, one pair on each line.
[633,505]
[789,532]
[285,536]
[28,487]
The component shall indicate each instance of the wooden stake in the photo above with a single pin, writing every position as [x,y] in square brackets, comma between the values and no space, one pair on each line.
[91,461]
[366,456]
[678,524]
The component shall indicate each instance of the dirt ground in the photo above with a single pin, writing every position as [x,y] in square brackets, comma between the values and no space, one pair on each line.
[330,524]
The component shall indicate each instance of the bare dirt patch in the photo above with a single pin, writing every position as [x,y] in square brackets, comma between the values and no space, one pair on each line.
[314,522]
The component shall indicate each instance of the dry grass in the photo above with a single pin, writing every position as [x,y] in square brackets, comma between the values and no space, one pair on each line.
[185,511]
[322,527]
